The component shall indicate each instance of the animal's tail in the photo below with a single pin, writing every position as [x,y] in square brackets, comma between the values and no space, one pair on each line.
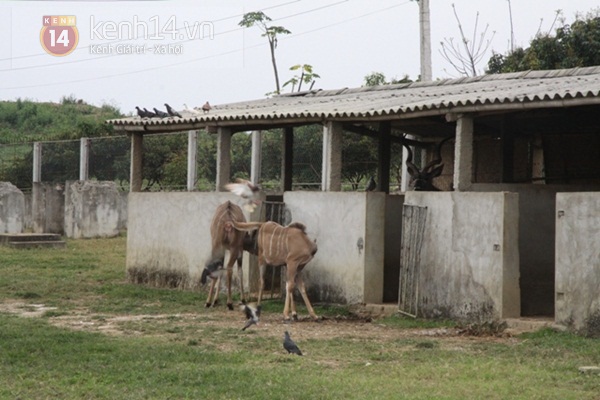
[247,226]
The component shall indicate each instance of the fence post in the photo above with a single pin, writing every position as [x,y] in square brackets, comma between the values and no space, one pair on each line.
[192,170]
[84,159]
[137,148]
[37,162]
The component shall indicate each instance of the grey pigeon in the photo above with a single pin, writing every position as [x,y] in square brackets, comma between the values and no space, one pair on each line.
[172,112]
[206,107]
[160,114]
[252,315]
[289,345]
[371,184]
[141,113]
[149,114]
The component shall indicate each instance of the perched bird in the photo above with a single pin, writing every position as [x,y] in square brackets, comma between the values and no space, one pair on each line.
[141,113]
[190,110]
[206,107]
[247,191]
[160,114]
[252,315]
[289,344]
[171,111]
[371,184]
[149,114]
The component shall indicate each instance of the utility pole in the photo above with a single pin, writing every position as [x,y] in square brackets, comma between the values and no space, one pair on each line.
[425,36]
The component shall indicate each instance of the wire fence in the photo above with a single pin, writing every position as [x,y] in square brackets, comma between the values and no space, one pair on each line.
[165,161]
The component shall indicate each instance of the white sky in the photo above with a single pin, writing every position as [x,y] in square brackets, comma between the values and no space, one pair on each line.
[343,40]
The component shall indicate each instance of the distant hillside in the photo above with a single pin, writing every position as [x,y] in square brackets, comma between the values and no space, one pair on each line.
[27,121]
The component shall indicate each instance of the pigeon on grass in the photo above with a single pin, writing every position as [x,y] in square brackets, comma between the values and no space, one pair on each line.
[289,344]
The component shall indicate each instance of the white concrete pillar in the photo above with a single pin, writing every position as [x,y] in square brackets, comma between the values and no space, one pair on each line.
[463,154]
[404,176]
[256,157]
[192,170]
[37,162]
[331,180]
[84,159]
[223,157]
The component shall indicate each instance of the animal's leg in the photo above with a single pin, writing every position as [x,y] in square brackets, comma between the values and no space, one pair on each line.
[215,284]
[241,278]
[290,284]
[261,280]
[302,290]
[210,292]
[230,262]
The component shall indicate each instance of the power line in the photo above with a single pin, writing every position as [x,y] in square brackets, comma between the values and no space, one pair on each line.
[206,57]
[95,58]
[137,37]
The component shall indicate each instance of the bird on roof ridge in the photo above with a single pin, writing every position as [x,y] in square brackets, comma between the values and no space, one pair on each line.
[160,114]
[172,112]
[206,107]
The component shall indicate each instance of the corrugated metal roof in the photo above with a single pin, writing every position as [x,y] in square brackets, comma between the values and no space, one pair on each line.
[535,88]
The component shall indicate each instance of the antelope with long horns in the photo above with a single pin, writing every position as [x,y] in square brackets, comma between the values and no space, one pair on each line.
[422,179]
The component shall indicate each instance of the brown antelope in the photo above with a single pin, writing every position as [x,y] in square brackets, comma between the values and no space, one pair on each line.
[278,245]
[225,237]
[422,180]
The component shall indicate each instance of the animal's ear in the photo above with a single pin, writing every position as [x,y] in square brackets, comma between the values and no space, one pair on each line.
[437,171]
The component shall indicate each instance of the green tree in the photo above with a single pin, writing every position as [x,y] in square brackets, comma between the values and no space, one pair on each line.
[261,20]
[574,45]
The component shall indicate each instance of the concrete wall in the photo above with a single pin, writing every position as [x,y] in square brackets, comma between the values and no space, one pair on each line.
[349,228]
[578,261]
[168,238]
[48,208]
[91,209]
[12,208]
[470,255]
[537,205]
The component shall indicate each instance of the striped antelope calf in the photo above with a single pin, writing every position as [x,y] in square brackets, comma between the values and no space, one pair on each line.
[225,237]
[279,245]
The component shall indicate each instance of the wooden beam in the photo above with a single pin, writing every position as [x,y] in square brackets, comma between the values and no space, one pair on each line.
[384,152]
[287,159]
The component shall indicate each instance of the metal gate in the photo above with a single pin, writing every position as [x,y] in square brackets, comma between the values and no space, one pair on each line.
[275,211]
[413,228]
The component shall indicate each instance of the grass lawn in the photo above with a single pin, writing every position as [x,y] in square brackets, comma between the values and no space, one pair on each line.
[71,327]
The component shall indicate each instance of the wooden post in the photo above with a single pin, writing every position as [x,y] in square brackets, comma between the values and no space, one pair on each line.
[332,157]
[223,158]
[287,159]
[463,154]
[192,170]
[256,159]
[508,151]
[135,174]
[37,162]
[84,159]
[384,154]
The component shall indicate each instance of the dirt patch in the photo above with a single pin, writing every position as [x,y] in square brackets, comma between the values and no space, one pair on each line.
[219,321]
